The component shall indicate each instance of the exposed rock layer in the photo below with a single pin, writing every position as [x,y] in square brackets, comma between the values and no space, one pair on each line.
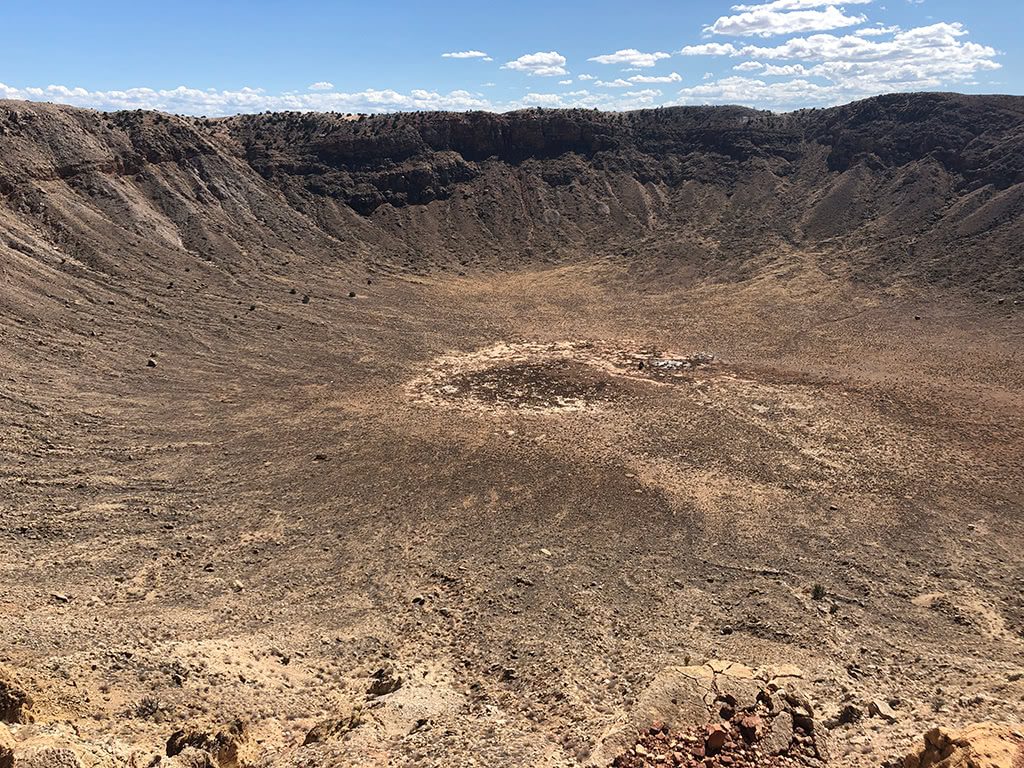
[917,185]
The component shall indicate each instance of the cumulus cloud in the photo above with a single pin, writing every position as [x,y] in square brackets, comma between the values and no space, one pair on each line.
[771,19]
[830,69]
[466,55]
[542,64]
[745,90]
[585,99]
[879,30]
[819,67]
[216,103]
[673,77]
[212,102]
[630,57]
[919,58]
[861,63]
[635,80]
[786,70]
[710,49]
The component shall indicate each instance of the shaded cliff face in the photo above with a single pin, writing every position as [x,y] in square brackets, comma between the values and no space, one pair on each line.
[919,186]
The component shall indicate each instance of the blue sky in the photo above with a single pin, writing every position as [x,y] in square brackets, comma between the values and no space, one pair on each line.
[224,57]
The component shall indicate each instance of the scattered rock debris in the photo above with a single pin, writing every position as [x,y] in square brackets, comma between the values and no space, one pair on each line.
[531,376]
[722,714]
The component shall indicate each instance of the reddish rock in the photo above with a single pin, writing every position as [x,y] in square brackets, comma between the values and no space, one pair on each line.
[715,737]
[750,727]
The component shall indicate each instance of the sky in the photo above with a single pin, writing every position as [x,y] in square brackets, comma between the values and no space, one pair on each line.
[220,57]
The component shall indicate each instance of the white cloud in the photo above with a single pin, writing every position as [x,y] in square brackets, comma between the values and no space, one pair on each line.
[631,57]
[646,96]
[786,70]
[871,61]
[875,31]
[466,55]
[673,77]
[745,90]
[195,101]
[710,49]
[215,103]
[543,64]
[584,99]
[913,59]
[830,69]
[815,69]
[635,80]
[797,5]
[771,19]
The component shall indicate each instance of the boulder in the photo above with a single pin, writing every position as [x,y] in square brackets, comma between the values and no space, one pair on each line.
[47,756]
[715,737]
[336,726]
[777,739]
[6,747]
[384,681]
[688,698]
[15,701]
[677,697]
[983,745]
[880,708]
[223,746]
[190,757]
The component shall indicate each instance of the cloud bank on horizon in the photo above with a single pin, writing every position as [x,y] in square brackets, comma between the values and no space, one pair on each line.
[779,54]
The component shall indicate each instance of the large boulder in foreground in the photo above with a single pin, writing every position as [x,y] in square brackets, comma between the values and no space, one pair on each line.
[983,745]
[720,710]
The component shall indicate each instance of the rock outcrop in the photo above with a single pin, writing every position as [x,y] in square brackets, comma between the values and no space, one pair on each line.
[220,748]
[929,186]
[983,745]
[719,713]
[15,701]
[6,747]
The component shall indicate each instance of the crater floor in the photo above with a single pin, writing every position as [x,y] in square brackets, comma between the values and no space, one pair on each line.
[474,519]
